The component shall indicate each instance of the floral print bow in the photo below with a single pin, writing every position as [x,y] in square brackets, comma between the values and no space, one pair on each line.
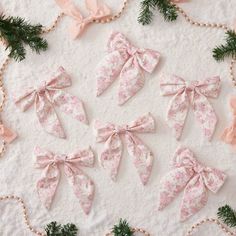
[127,62]
[194,93]
[111,155]
[7,134]
[82,185]
[97,11]
[188,174]
[229,134]
[50,94]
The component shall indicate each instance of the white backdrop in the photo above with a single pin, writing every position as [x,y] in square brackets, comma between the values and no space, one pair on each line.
[185,50]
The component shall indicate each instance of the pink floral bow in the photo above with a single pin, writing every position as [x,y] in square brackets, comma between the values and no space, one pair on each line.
[129,63]
[46,96]
[97,11]
[195,94]
[229,134]
[111,155]
[7,134]
[194,178]
[82,185]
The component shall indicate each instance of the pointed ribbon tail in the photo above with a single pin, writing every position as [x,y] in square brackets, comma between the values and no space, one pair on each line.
[177,113]
[7,134]
[109,69]
[142,156]
[47,185]
[111,155]
[205,114]
[83,188]
[48,117]
[69,104]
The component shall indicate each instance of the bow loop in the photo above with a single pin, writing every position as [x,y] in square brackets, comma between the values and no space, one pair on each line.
[111,154]
[82,185]
[128,62]
[192,94]
[194,178]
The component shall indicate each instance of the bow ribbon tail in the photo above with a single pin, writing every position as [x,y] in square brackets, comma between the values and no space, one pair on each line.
[69,104]
[7,134]
[83,188]
[109,69]
[111,155]
[177,112]
[143,157]
[47,185]
[48,117]
[194,199]
[205,114]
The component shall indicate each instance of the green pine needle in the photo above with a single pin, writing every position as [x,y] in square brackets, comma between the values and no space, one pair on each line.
[122,229]
[165,7]
[227,215]
[55,229]
[227,50]
[17,33]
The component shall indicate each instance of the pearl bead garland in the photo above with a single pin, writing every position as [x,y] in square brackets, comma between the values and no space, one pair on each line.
[25,215]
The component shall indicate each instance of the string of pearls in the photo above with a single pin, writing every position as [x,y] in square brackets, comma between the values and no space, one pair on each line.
[208,25]
[134,230]
[209,220]
[24,210]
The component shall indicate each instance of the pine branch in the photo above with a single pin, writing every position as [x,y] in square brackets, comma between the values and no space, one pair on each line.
[165,7]
[55,229]
[227,215]
[122,229]
[227,50]
[16,32]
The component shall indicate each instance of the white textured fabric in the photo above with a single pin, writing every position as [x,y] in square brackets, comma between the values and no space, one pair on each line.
[186,51]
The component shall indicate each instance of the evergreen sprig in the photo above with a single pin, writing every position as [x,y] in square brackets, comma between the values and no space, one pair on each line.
[165,7]
[55,229]
[122,229]
[227,215]
[16,33]
[227,50]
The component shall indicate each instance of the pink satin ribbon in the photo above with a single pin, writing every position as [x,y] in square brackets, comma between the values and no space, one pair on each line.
[7,134]
[82,185]
[111,155]
[127,62]
[97,11]
[195,179]
[194,93]
[229,134]
[48,95]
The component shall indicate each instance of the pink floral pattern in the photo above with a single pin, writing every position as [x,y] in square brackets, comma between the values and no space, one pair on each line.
[129,63]
[229,134]
[48,95]
[82,185]
[189,175]
[111,155]
[7,134]
[97,11]
[195,94]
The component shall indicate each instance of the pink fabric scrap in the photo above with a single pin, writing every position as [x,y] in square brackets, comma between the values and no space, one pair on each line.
[112,152]
[127,62]
[194,94]
[195,179]
[48,95]
[97,11]
[82,185]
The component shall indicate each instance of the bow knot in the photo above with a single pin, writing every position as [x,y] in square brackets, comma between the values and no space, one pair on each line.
[82,185]
[97,11]
[188,174]
[54,96]
[192,94]
[112,152]
[127,62]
